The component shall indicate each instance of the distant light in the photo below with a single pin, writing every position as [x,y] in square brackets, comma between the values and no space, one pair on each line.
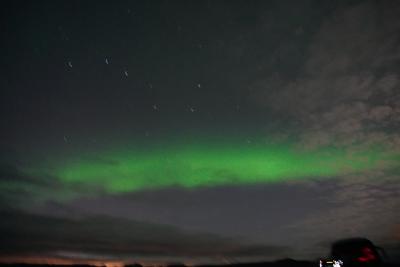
[333,263]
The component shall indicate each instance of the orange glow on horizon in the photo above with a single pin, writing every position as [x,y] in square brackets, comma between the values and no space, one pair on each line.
[60,261]
[48,260]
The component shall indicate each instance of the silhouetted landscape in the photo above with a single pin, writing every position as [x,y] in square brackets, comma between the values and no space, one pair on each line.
[279,263]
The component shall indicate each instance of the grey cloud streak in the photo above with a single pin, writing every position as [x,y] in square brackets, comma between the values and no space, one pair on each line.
[116,238]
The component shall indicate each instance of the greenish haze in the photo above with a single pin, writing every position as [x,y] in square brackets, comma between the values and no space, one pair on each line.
[205,164]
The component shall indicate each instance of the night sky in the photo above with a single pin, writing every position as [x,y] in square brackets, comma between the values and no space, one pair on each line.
[198,131]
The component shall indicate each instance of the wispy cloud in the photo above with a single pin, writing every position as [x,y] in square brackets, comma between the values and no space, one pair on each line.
[347,91]
[347,95]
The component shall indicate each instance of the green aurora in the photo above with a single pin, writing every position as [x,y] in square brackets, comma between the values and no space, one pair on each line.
[203,164]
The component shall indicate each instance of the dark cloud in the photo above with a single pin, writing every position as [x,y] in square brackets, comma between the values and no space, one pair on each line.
[114,237]
[17,186]
[253,214]
[25,191]
[224,210]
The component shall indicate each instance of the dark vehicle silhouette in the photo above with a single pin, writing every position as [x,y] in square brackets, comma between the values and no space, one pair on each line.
[355,252]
